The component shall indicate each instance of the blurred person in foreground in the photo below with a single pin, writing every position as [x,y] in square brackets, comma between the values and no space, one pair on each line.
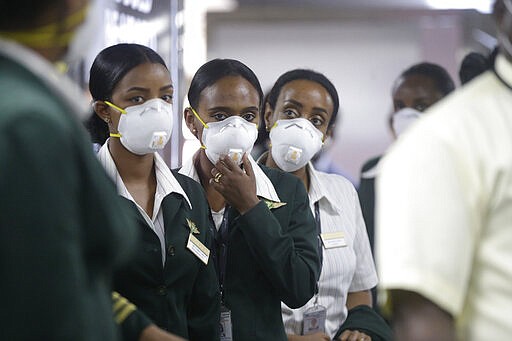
[56,258]
[444,212]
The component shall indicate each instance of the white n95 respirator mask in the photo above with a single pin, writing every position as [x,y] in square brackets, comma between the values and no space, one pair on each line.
[145,128]
[294,143]
[233,136]
[403,119]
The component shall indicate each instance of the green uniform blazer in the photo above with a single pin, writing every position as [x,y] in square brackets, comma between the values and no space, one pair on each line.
[59,236]
[182,296]
[272,257]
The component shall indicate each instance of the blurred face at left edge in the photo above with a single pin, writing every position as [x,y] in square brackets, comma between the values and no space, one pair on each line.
[46,26]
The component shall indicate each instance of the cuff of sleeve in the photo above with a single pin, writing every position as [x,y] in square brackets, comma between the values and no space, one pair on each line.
[255,211]
[366,320]
[130,320]
[133,325]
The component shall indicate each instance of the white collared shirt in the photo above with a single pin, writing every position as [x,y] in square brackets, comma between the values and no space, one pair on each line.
[344,269]
[264,187]
[166,184]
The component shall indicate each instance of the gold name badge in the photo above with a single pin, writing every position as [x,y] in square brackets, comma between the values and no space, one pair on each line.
[198,249]
[333,239]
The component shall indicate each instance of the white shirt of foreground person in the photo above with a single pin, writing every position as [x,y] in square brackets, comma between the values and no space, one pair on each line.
[444,208]
[344,269]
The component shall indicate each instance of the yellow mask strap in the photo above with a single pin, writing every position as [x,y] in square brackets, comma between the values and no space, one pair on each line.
[121,110]
[202,122]
[199,118]
[51,35]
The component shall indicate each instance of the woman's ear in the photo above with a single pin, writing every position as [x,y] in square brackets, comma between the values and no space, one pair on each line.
[267,116]
[101,109]
[190,119]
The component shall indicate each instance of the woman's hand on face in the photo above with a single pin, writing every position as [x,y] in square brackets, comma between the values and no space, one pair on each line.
[237,185]
[353,335]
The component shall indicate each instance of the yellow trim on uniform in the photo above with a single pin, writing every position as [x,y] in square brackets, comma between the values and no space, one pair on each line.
[121,307]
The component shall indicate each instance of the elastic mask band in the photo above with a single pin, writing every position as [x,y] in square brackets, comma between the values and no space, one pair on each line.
[199,118]
[122,111]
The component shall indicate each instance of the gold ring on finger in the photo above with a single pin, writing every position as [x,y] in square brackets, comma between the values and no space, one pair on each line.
[217,177]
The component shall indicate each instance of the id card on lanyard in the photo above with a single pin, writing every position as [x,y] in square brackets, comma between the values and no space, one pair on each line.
[225,326]
[313,318]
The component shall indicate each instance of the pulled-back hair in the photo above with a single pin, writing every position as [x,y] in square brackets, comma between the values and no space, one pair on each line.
[437,73]
[216,69]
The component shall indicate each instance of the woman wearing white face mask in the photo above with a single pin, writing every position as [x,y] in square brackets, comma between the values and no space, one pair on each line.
[172,278]
[300,112]
[265,233]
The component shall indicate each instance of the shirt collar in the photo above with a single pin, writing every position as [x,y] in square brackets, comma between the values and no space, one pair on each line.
[70,93]
[264,187]
[166,181]
[319,190]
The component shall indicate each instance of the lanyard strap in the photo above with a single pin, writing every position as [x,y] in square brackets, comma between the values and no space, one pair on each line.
[319,240]
[221,238]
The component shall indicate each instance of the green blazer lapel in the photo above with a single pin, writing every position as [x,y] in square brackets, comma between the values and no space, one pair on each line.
[233,215]
[136,214]
[171,205]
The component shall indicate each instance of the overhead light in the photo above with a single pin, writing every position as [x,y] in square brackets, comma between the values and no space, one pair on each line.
[482,6]
[221,5]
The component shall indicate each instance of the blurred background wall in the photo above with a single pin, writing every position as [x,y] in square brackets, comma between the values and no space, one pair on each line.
[361,45]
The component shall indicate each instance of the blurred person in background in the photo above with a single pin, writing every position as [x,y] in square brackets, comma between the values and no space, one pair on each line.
[444,212]
[300,112]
